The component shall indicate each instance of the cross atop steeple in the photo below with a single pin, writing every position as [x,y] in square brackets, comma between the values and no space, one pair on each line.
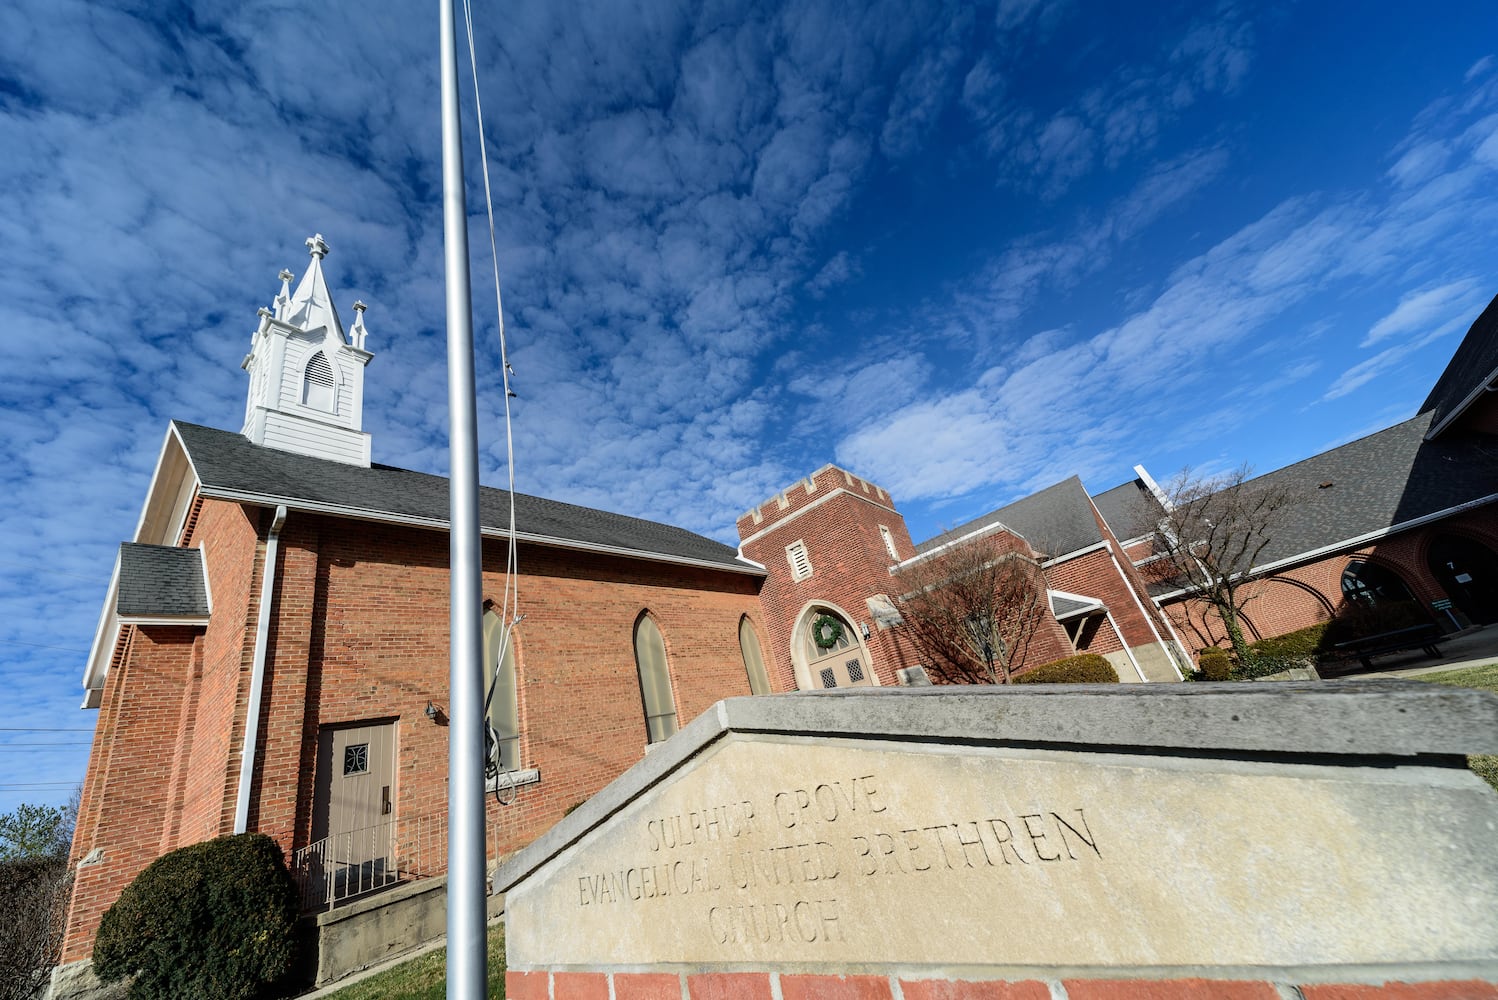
[317,246]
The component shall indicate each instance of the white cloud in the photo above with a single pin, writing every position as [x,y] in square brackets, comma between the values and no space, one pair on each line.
[1421,311]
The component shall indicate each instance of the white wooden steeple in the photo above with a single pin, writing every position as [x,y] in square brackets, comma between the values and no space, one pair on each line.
[306,377]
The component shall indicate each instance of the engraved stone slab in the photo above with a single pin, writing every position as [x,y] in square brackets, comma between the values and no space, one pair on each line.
[750,847]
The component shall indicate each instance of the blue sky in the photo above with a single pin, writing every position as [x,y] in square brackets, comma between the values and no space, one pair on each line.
[964,251]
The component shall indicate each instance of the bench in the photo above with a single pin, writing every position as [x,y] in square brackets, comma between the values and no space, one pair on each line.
[1422,637]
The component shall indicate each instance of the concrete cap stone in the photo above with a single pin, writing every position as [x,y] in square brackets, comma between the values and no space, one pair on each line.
[1312,721]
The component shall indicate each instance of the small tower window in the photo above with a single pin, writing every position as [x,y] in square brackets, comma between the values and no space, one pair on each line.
[889,542]
[318,388]
[795,554]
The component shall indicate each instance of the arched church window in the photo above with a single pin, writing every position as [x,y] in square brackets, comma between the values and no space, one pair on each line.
[1370,584]
[655,680]
[502,704]
[754,664]
[318,385]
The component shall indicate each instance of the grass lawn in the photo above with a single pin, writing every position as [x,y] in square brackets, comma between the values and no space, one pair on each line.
[425,978]
[1486,678]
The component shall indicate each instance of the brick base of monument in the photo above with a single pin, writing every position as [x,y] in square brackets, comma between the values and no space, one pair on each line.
[784,986]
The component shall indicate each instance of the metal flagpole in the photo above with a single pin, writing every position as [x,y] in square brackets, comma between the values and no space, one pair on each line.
[467,957]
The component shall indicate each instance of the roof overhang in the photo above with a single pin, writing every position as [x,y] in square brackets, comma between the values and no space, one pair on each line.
[173,484]
[441,524]
[1485,386]
[1084,605]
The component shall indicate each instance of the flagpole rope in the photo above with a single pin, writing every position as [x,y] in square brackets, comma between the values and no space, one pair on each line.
[510,603]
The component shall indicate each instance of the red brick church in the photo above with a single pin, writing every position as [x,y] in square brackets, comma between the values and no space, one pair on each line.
[272,652]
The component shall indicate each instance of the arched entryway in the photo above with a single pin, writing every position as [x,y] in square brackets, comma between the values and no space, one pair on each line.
[828,650]
[1468,571]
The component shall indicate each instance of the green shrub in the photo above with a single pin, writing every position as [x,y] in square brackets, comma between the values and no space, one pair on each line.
[1085,668]
[1302,644]
[1215,664]
[212,921]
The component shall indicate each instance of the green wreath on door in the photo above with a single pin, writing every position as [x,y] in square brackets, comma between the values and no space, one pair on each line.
[826,631]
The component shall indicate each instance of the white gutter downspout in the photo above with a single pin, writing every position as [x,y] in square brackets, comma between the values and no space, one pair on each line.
[257,674]
[1125,644]
[1145,615]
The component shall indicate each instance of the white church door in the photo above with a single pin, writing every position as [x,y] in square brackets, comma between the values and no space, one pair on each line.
[353,809]
[831,650]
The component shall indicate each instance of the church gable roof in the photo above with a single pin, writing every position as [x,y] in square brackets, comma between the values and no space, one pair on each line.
[1472,367]
[160,581]
[1124,508]
[229,467]
[1055,521]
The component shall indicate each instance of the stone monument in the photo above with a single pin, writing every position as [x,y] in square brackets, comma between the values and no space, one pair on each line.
[1069,841]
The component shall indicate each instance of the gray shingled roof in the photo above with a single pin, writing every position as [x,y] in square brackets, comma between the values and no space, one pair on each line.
[1379,481]
[1065,607]
[1057,520]
[1124,507]
[228,464]
[159,581]
[1387,478]
[1474,363]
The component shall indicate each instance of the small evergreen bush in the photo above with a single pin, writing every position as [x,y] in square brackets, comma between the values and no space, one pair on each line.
[1215,664]
[212,921]
[1085,668]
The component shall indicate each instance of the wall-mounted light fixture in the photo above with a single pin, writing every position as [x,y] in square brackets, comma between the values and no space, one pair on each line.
[865,627]
[431,711]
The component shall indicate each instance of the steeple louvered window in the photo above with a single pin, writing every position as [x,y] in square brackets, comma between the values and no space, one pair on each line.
[319,388]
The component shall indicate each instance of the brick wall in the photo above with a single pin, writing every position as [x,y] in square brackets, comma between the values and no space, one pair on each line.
[917,985]
[359,632]
[130,812]
[838,517]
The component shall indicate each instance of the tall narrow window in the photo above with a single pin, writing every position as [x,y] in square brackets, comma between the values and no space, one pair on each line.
[754,664]
[889,542]
[499,688]
[318,384]
[655,681]
[795,554]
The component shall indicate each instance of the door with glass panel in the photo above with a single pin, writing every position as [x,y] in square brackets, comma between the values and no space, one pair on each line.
[353,810]
[834,657]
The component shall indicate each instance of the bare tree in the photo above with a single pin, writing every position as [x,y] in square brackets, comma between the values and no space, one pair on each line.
[1211,532]
[972,608]
[35,881]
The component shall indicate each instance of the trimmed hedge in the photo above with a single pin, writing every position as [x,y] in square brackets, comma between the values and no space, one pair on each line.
[1215,664]
[211,921]
[1085,668]
[1302,644]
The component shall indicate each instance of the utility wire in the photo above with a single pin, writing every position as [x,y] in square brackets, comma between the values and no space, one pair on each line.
[42,645]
